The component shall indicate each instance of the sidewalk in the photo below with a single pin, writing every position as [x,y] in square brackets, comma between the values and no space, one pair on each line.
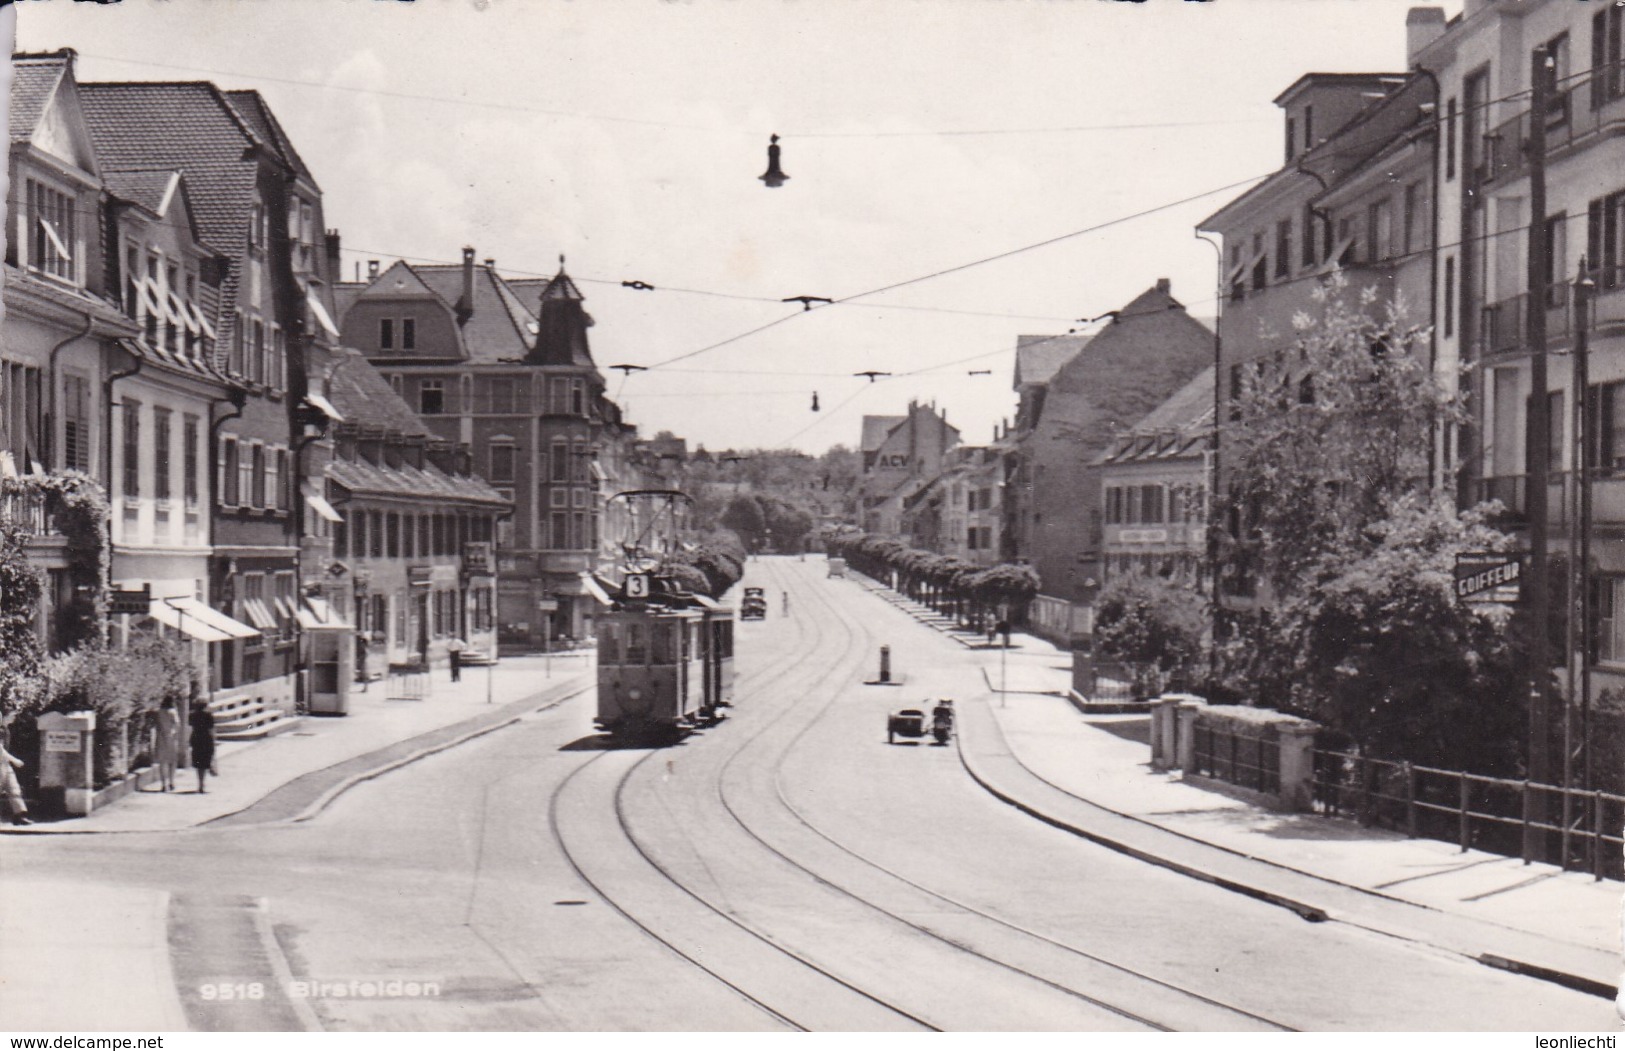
[326,754]
[1091,775]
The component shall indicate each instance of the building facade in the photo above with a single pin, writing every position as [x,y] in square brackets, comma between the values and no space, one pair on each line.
[514,381]
[901,454]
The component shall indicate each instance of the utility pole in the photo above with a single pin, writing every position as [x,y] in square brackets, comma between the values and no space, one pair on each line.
[1539,445]
[1576,738]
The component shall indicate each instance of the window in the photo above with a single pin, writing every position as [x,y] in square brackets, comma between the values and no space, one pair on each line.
[75,423]
[258,363]
[1114,505]
[1609,604]
[256,227]
[257,490]
[1606,442]
[1475,125]
[501,463]
[358,533]
[1283,248]
[161,459]
[172,330]
[1260,262]
[1556,252]
[1308,257]
[1380,230]
[392,528]
[1308,127]
[578,404]
[1555,69]
[278,379]
[1291,137]
[1415,219]
[230,482]
[409,334]
[375,527]
[1346,238]
[1605,238]
[1607,81]
[280,480]
[132,449]
[432,397]
[1450,140]
[425,537]
[970,538]
[52,231]
[386,333]
[559,396]
[341,537]
[1151,504]
[1449,297]
[578,470]
[560,522]
[235,362]
[578,531]
[561,461]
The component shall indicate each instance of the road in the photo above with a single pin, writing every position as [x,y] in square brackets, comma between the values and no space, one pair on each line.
[786,869]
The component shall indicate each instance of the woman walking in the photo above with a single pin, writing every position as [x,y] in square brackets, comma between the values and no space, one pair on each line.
[166,743]
[202,741]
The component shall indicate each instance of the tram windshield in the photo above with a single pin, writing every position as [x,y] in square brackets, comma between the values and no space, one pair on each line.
[609,642]
[636,651]
[662,644]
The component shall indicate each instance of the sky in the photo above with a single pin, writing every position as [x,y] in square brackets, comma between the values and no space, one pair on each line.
[920,136]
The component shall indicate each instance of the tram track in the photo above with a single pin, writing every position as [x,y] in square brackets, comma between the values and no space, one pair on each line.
[712,939]
[1214,1014]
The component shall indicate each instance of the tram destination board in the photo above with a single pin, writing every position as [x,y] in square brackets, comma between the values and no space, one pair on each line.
[1489,576]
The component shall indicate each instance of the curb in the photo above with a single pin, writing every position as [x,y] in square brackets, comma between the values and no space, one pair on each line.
[323,801]
[532,704]
[1311,913]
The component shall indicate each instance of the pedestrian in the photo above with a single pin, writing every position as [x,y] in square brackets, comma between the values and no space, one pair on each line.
[202,741]
[361,659]
[786,603]
[455,648]
[11,790]
[166,743]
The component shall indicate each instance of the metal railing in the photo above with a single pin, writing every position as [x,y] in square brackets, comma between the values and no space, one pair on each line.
[1494,814]
[25,510]
[1248,760]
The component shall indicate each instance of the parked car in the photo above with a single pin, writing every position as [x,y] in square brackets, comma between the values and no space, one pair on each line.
[754,605]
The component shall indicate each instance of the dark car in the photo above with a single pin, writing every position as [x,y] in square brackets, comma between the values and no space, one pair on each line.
[905,722]
[754,605]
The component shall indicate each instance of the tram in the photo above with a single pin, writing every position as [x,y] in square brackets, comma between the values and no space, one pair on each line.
[665,653]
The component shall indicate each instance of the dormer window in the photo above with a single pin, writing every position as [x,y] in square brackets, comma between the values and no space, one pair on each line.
[386,333]
[256,228]
[52,232]
[409,333]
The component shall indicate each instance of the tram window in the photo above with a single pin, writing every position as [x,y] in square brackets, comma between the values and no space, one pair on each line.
[660,636]
[609,644]
[635,652]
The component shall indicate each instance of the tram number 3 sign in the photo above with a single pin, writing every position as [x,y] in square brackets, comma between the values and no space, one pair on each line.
[1489,577]
[637,585]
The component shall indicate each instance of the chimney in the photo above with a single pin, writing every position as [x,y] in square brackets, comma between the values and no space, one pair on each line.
[465,305]
[1163,286]
[372,270]
[490,264]
[333,271]
[1423,25]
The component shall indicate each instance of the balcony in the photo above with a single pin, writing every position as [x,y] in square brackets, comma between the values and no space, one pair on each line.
[1505,325]
[25,511]
[1576,113]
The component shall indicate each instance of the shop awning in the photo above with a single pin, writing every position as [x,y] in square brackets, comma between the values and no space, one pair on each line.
[593,589]
[214,618]
[318,613]
[325,406]
[261,617]
[183,621]
[319,504]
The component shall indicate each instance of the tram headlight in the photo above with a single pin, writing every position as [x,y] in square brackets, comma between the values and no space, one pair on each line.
[634,694]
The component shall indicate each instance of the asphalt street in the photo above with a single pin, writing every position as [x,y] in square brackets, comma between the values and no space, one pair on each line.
[786,869]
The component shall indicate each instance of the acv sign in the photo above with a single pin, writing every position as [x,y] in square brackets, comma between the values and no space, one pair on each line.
[894,460]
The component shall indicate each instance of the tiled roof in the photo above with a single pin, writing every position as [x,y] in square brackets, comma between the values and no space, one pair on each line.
[364,398]
[875,429]
[146,187]
[191,127]
[34,78]
[499,327]
[1038,358]
[427,482]
[250,105]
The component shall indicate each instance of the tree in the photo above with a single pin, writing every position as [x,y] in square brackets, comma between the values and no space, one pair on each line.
[20,589]
[1152,624]
[1328,511]
[744,516]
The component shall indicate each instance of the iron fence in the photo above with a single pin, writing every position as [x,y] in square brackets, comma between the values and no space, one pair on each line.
[1248,760]
[1537,822]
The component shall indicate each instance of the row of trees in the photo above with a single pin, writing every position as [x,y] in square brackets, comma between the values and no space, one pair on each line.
[1337,557]
[950,585]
